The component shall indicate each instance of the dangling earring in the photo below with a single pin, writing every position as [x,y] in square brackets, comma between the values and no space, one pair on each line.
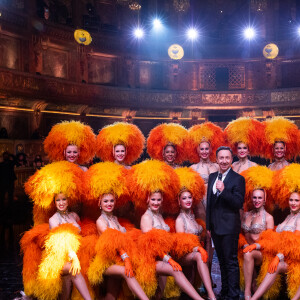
[100,207]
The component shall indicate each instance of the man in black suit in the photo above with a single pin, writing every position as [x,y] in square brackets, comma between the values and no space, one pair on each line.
[225,198]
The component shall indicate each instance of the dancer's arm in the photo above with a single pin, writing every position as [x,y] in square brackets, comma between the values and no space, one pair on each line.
[146,223]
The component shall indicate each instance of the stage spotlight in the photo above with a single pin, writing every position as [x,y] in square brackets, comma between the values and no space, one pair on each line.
[138,32]
[192,34]
[298,30]
[249,33]
[157,24]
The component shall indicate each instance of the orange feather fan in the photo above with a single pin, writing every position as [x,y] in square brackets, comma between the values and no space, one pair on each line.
[206,132]
[164,134]
[284,130]
[31,247]
[70,133]
[248,131]
[285,182]
[120,133]
[258,177]
[150,176]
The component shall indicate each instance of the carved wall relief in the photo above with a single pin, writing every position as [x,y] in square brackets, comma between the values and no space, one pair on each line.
[9,52]
[55,63]
[102,70]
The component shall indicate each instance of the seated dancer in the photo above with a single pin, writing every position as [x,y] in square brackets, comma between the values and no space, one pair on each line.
[191,191]
[149,181]
[255,220]
[50,263]
[285,242]
[105,185]
[204,140]
[71,141]
[122,143]
[167,142]
[282,141]
[243,135]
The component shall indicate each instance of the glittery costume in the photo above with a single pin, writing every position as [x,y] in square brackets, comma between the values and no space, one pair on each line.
[148,177]
[256,177]
[46,251]
[284,240]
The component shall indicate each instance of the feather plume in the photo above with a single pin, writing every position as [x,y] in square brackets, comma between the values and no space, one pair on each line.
[150,176]
[206,132]
[120,133]
[104,178]
[285,182]
[164,134]
[248,131]
[60,241]
[281,129]
[190,180]
[258,177]
[70,133]
[58,177]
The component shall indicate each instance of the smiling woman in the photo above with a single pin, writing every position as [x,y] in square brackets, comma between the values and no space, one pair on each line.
[72,141]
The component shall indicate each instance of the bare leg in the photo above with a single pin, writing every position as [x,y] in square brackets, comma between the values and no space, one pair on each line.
[131,281]
[78,281]
[250,259]
[66,288]
[297,295]
[166,269]
[113,287]
[269,280]
[202,270]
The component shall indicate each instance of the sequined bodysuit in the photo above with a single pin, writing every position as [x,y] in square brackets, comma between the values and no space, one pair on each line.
[255,228]
[190,224]
[157,222]
[113,220]
[291,228]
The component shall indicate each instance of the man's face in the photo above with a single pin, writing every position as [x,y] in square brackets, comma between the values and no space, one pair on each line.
[224,160]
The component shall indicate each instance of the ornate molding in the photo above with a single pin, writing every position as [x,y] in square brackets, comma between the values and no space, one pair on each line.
[17,84]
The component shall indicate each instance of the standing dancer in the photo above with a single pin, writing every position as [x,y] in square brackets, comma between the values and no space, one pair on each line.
[246,137]
[72,141]
[168,143]
[255,221]
[283,141]
[120,142]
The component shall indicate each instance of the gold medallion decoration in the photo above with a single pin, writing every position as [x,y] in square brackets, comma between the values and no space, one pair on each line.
[175,51]
[82,37]
[270,51]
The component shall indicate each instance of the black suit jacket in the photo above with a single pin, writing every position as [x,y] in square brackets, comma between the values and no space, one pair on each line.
[222,215]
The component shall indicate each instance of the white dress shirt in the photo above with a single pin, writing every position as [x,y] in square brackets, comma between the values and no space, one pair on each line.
[223,178]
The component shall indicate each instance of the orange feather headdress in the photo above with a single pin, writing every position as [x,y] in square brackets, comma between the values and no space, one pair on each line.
[191,181]
[285,182]
[120,133]
[106,178]
[279,129]
[58,177]
[206,132]
[70,133]
[258,177]
[248,131]
[150,176]
[164,134]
